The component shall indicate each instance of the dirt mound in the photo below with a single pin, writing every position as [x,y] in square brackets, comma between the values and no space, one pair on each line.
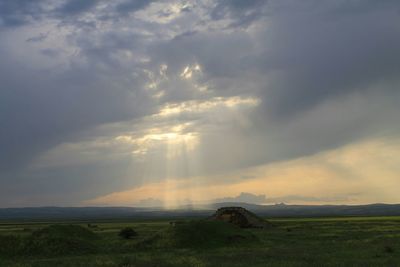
[239,216]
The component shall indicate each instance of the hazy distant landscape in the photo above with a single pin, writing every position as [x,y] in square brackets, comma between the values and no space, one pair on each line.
[278,210]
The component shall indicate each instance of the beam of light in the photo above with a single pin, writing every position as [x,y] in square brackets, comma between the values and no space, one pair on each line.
[343,176]
[165,147]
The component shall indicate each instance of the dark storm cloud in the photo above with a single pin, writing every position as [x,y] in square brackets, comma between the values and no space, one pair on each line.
[332,75]
[41,109]
[322,53]
[19,12]
[15,13]
[74,7]
[313,50]
[243,13]
[128,6]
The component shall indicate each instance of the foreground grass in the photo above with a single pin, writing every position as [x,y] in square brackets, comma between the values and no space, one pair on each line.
[361,241]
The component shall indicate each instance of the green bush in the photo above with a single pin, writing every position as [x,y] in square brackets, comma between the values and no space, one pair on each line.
[127,233]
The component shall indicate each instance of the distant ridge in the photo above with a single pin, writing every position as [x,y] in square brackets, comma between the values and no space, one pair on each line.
[278,210]
[282,210]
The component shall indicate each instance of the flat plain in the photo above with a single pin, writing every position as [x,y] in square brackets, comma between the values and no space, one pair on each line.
[339,241]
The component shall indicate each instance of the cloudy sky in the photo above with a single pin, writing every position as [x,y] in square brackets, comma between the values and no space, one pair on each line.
[163,103]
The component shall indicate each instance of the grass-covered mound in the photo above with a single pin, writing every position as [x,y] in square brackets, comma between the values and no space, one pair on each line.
[60,240]
[202,234]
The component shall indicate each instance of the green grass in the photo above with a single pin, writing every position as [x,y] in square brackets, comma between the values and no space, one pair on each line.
[346,241]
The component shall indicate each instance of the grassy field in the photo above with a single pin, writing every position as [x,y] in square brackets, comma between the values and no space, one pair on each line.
[345,241]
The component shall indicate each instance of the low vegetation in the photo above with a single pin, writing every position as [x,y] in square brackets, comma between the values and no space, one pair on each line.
[292,242]
[53,240]
[59,240]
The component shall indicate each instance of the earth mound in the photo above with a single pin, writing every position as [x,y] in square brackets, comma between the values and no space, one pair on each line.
[202,234]
[239,216]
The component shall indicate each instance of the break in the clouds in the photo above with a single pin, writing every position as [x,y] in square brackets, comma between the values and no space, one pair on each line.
[98,98]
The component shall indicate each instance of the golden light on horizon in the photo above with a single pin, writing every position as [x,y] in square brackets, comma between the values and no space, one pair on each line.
[315,177]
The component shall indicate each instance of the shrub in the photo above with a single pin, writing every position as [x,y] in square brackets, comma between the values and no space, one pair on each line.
[388,249]
[127,233]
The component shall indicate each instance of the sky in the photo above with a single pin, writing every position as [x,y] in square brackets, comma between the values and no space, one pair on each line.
[174,102]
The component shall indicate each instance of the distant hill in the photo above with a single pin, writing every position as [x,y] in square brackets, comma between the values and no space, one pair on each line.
[278,210]
[92,213]
[282,210]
